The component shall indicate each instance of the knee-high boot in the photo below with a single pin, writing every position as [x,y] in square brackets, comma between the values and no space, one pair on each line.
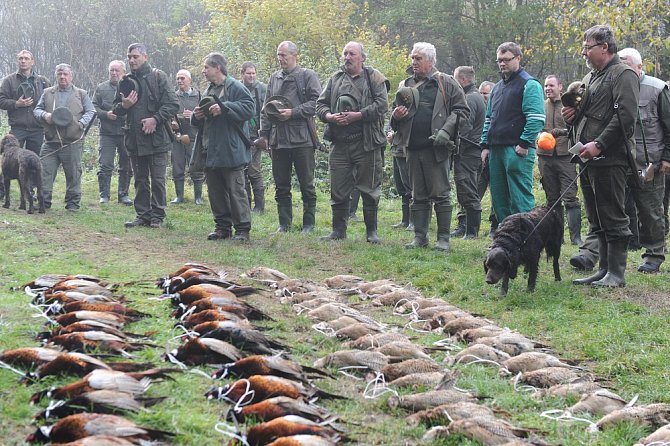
[602,266]
[370,218]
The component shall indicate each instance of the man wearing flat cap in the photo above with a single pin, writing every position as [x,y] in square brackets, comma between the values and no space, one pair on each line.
[148,108]
[65,111]
[285,125]
[428,132]
[353,105]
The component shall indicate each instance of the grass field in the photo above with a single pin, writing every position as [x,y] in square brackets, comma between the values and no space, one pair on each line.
[621,335]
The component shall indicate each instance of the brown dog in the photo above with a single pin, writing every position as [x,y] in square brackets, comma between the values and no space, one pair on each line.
[25,166]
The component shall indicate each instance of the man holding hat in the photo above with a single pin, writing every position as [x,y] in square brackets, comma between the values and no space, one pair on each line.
[353,105]
[222,117]
[65,111]
[289,106]
[430,106]
[254,176]
[111,137]
[148,104]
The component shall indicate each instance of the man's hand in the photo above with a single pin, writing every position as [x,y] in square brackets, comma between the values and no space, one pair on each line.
[215,110]
[111,116]
[24,102]
[400,113]
[568,114]
[130,100]
[665,166]
[285,114]
[485,155]
[442,138]
[261,143]
[389,136]
[187,113]
[590,150]
[47,118]
[148,125]
[199,114]
[520,151]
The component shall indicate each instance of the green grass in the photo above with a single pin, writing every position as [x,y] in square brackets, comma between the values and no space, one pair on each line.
[622,335]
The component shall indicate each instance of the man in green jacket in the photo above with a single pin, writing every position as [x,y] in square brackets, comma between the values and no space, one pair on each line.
[222,135]
[147,111]
[604,125]
[353,105]
[254,176]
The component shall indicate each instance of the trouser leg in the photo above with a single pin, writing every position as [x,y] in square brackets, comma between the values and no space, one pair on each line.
[72,168]
[50,161]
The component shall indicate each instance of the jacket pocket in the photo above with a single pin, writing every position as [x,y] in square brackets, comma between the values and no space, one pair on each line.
[298,134]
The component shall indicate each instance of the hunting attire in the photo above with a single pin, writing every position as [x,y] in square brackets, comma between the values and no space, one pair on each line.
[558,174]
[111,142]
[64,145]
[224,140]
[254,176]
[468,165]
[292,143]
[356,157]
[603,179]
[181,153]
[442,106]
[149,153]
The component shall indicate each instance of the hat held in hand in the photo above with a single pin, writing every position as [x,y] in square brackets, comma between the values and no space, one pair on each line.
[273,106]
[409,97]
[62,117]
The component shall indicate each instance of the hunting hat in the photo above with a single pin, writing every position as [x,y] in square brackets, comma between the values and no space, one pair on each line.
[409,97]
[206,102]
[273,105]
[62,116]
[346,103]
[26,90]
[128,84]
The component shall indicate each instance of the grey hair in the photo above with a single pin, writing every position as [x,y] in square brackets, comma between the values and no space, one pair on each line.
[185,72]
[63,67]
[290,46]
[360,49]
[427,49]
[118,62]
[465,72]
[217,60]
[512,47]
[487,84]
[602,34]
[631,54]
[142,48]
[25,52]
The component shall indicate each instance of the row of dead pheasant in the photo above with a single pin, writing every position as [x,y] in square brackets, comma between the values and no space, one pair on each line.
[85,316]
[267,386]
[396,362]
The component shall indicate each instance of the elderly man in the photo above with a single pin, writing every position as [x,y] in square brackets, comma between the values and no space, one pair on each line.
[148,111]
[468,160]
[353,105]
[111,137]
[188,97]
[514,117]
[483,181]
[254,177]
[19,93]
[558,174]
[223,131]
[64,110]
[292,93]
[426,121]
[485,90]
[604,127]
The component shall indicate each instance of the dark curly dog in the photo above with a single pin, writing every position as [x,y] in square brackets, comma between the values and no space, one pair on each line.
[519,240]
[23,165]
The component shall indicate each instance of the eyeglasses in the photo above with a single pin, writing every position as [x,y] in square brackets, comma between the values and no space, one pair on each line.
[505,60]
[589,47]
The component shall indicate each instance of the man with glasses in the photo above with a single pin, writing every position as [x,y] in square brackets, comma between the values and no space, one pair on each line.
[292,93]
[604,125]
[514,117]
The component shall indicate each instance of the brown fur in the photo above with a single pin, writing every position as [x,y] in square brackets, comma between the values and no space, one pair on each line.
[25,166]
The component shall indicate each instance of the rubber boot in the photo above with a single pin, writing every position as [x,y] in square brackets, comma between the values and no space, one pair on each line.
[370,218]
[473,219]
[443,225]
[421,219]
[575,225]
[404,222]
[259,201]
[179,190]
[494,224]
[124,186]
[410,225]
[285,213]
[308,217]
[197,192]
[339,231]
[602,266]
[459,231]
[104,184]
[617,257]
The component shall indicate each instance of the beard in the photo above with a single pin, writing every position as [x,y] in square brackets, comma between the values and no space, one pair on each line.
[588,63]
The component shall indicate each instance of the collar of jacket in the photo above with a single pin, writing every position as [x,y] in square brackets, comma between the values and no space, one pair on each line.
[143,70]
[353,76]
[283,74]
[511,76]
[32,76]
[468,88]
[615,60]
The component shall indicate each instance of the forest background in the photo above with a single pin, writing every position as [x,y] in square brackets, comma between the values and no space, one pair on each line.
[88,34]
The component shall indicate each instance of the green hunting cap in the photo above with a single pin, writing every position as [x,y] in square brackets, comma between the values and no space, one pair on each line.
[273,105]
[346,103]
[409,97]
[206,102]
[62,117]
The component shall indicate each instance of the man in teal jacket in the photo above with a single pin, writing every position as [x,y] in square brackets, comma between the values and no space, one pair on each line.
[514,117]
